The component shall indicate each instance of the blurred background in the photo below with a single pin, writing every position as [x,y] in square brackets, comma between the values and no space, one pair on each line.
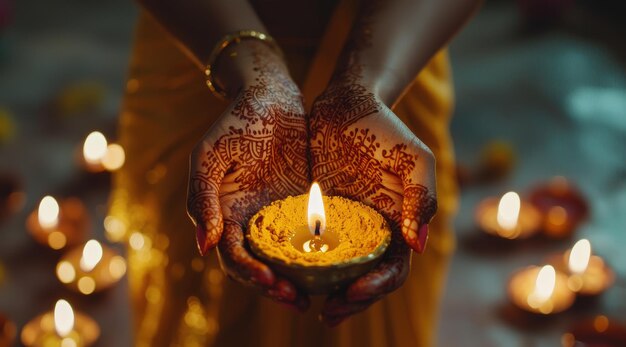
[540,93]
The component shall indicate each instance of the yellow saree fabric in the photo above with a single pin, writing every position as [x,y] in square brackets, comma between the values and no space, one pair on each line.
[181,299]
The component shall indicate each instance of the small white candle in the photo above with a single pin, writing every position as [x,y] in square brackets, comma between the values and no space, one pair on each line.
[508,211]
[48,213]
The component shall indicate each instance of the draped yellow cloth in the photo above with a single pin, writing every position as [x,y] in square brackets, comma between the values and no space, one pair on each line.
[181,299]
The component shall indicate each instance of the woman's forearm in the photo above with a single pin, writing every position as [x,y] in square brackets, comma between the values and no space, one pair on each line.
[393,40]
[198,25]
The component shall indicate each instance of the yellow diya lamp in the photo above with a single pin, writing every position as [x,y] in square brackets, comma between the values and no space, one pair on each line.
[58,224]
[588,274]
[98,155]
[321,243]
[508,218]
[61,328]
[540,290]
[90,268]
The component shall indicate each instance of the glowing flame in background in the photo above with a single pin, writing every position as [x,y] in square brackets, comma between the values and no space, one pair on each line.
[48,213]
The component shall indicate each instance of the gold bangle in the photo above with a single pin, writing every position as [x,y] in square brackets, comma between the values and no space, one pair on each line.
[226,41]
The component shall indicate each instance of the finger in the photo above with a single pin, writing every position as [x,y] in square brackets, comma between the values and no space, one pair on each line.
[239,264]
[203,203]
[388,276]
[384,279]
[418,208]
[337,309]
[237,261]
[419,202]
[286,293]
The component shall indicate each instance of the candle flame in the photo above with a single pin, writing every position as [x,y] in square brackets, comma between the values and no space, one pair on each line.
[63,318]
[315,211]
[544,285]
[95,147]
[92,254]
[579,256]
[48,213]
[508,210]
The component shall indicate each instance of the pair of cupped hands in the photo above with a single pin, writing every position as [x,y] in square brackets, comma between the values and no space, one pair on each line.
[265,147]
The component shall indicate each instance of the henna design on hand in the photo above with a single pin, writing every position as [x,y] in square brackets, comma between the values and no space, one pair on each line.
[349,159]
[254,154]
[361,150]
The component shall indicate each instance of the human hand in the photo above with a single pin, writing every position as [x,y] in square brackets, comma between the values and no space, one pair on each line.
[254,154]
[361,150]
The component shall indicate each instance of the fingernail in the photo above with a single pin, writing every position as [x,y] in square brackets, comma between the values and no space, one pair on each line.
[201,240]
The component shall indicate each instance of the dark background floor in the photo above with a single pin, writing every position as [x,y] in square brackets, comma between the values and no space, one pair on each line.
[557,96]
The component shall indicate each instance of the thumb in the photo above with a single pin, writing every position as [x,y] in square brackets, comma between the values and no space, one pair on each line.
[203,202]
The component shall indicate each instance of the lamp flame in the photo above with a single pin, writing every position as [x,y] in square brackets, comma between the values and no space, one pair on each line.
[508,210]
[63,318]
[92,254]
[48,213]
[95,147]
[579,256]
[544,285]
[315,210]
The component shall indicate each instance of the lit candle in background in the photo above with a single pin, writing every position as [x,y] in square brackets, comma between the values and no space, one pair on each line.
[94,149]
[540,290]
[57,225]
[48,213]
[99,155]
[64,322]
[91,268]
[92,254]
[63,327]
[509,217]
[588,274]
[544,287]
[508,213]
[579,257]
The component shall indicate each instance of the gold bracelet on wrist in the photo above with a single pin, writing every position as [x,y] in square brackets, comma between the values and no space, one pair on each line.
[223,44]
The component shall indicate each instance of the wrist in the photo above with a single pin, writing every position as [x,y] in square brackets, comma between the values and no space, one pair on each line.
[238,65]
[384,83]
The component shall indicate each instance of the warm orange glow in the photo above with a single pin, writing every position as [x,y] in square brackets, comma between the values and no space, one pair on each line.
[508,210]
[48,213]
[57,240]
[117,266]
[86,285]
[544,286]
[114,157]
[63,318]
[315,211]
[92,254]
[66,272]
[95,147]
[579,257]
